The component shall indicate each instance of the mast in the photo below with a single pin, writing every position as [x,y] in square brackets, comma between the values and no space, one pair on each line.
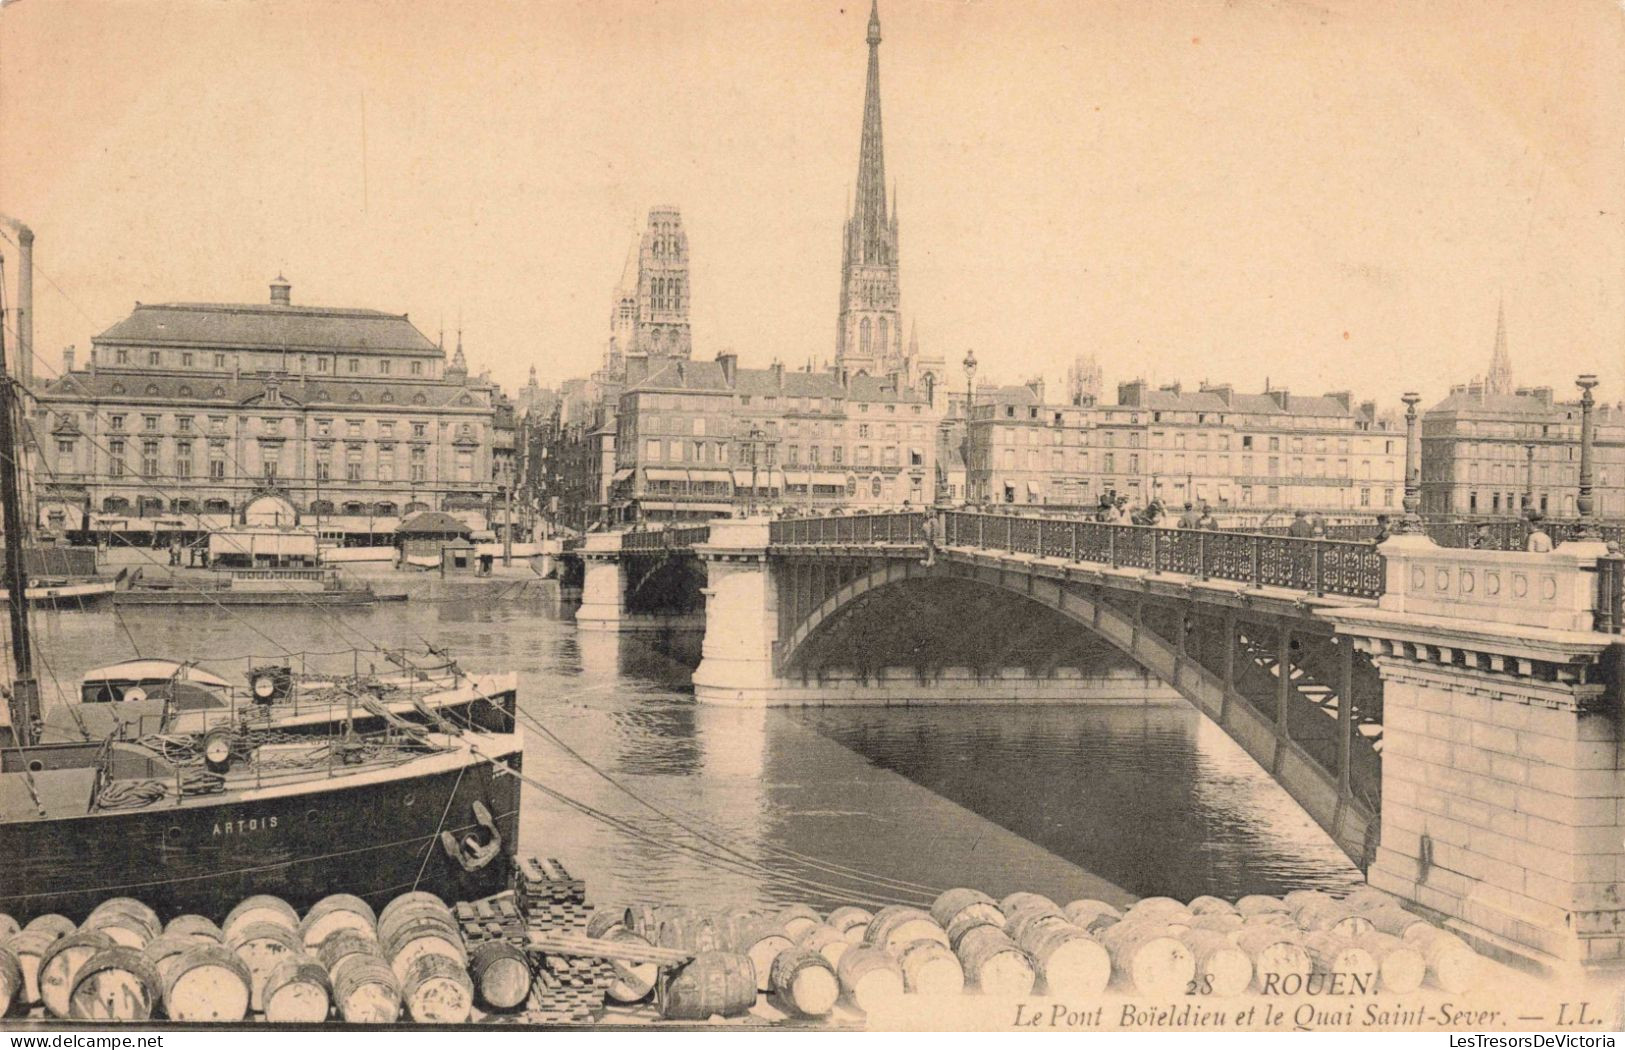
[24,697]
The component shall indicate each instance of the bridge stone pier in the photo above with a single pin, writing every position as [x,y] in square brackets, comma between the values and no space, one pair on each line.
[639,582]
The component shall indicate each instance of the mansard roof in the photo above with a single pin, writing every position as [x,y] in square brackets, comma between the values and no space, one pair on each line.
[268,327]
[223,391]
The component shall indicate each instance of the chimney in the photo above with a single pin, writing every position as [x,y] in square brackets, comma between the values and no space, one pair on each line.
[1342,397]
[279,291]
[1036,385]
[730,366]
[1172,388]
[777,369]
[1368,409]
[93,360]
[1131,394]
[1282,398]
[1223,391]
[67,360]
[845,377]
[25,306]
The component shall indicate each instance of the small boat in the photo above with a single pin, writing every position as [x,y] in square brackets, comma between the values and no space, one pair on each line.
[137,697]
[185,825]
[63,594]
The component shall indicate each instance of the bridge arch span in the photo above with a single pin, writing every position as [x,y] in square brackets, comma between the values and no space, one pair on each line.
[1350,822]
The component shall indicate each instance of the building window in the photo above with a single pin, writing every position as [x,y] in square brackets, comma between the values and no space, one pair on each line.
[220,360]
[324,469]
[383,367]
[352,464]
[353,428]
[186,360]
[115,459]
[386,470]
[419,468]
[122,356]
[465,466]
[183,424]
[64,448]
[149,422]
[321,364]
[217,424]
[1365,497]
[417,368]
[268,461]
[183,459]
[386,429]
[420,430]
[115,422]
[355,365]
[152,357]
[217,466]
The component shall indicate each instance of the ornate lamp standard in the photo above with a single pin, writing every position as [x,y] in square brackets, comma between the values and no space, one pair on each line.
[969,364]
[1411,522]
[1529,478]
[1584,503]
[755,439]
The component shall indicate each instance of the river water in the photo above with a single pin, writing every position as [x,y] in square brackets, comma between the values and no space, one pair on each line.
[678,803]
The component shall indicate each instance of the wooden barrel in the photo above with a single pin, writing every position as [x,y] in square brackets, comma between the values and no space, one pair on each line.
[115,984]
[1392,919]
[733,925]
[345,943]
[870,978]
[712,983]
[500,973]
[851,922]
[30,946]
[365,990]
[1334,954]
[417,899]
[1209,905]
[1452,964]
[1401,968]
[1033,918]
[1217,921]
[262,946]
[804,981]
[8,926]
[1223,969]
[633,980]
[643,920]
[1318,914]
[1017,901]
[436,990]
[1147,958]
[1299,899]
[827,941]
[60,964]
[798,919]
[966,921]
[1083,911]
[195,927]
[53,924]
[896,926]
[606,920]
[1068,962]
[1369,898]
[12,985]
[1278,955]
[261,907]
[950,903]
[930,968]
[130,906]
[414,914]
[688,930]
[762,943]
[1271,918]
[165,949]
[1254,903]
[994,964]
[426,935]
[340,911]
[1164,910]
[207,982]
[298,991]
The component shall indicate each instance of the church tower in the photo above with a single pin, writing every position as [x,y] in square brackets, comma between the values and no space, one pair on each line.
[663,286]
[1499,380]
[869,336]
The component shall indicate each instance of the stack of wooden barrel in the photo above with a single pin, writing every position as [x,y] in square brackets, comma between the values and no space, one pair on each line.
[264,960]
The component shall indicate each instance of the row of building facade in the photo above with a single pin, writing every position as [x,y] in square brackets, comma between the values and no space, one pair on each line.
[188,416]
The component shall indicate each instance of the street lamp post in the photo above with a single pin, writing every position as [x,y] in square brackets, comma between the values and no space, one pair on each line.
[1412,521]
[970,400]
[755,439]
[1584,503]
[1529,477]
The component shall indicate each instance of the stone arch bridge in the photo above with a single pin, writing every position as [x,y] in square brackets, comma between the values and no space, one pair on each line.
[1450,717]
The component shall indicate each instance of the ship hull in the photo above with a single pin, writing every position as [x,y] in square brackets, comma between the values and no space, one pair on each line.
[373,836]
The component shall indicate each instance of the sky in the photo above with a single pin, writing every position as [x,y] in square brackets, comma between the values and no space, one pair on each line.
[1329,195]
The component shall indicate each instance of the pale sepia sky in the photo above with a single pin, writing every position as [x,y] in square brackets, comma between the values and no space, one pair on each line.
[1330,194]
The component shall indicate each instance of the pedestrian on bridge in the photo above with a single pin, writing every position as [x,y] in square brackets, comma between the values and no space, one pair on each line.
[1207,520]
[1540,541]
[1190,519]
[1301,527]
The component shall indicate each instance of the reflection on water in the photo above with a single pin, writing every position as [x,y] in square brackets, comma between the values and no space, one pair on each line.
[791,805]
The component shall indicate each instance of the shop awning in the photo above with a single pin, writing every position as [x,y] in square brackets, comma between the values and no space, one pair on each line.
[665,474]
[622,474]
[766,479]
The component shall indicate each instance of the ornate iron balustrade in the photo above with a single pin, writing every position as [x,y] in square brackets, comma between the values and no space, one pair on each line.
[665,539]
[1318,566]
[851,529]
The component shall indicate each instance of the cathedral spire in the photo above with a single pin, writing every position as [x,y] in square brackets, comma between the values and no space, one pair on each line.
[1499,380]
[871,214]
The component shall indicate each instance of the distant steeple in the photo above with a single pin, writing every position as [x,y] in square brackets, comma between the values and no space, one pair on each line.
[459,363]
[1499,380]
[872,218]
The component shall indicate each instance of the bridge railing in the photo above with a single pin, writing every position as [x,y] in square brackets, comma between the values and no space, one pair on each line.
[851,528]
[665,539]
[1318,566]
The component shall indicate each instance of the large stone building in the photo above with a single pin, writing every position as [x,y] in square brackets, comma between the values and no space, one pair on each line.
[1492,449]
[190,415]
[1273,451]
[695,436]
